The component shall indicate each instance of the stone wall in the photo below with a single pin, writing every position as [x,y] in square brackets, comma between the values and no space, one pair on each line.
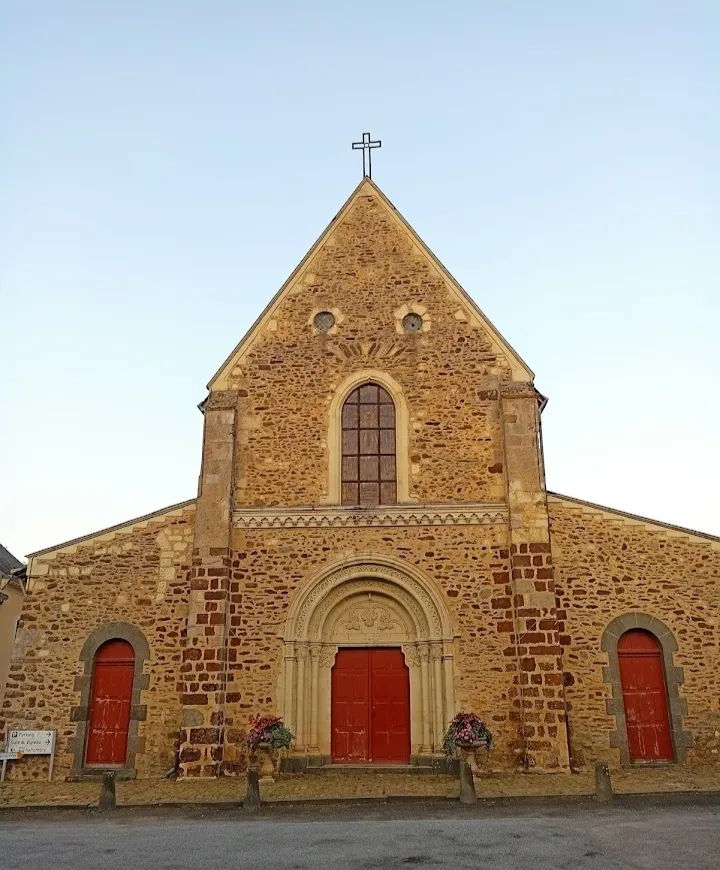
[608,565]
[138,575]
[369,272]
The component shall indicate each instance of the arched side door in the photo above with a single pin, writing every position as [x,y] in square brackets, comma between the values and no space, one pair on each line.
[110,703]
[642,676]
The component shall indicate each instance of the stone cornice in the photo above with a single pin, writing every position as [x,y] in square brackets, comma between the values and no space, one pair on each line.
[481,514]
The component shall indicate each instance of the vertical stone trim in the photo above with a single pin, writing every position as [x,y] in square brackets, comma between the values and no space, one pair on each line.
[204,669]
[674,678]
[539,706]
[83,684]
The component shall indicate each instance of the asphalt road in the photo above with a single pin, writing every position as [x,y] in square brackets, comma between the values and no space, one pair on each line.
[628,836]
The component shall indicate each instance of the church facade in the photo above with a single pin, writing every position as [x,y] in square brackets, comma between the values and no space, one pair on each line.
[371,550]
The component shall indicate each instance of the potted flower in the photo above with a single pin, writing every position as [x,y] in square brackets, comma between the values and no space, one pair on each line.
[466,734]
[266,736]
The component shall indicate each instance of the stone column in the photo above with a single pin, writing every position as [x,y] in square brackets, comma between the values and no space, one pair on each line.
[539,708]
[300,738]
[424,653]
[315,650]
[439,725]
[448,677]
[289,705]
[204,667]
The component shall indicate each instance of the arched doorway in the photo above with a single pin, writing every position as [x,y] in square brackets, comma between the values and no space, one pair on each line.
[368,633]
[642,676]
[110,704]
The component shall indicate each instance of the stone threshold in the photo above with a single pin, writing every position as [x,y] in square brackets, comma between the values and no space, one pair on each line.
[374,769]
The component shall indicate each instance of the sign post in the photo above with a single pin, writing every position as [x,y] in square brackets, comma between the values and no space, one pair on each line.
[21,743]
[5,757]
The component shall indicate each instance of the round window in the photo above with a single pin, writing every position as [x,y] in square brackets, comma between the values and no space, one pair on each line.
[412,323]
[324,321]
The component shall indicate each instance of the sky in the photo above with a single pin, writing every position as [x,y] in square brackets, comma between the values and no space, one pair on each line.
[164,166]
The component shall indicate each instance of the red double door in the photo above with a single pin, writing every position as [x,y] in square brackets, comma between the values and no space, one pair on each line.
[645,697]
[370,707]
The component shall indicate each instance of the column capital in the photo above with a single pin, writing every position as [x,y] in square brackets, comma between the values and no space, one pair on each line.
[221,400]
[327,655]
[412,657]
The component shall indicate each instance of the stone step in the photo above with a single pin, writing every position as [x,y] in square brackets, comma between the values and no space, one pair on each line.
[373,769]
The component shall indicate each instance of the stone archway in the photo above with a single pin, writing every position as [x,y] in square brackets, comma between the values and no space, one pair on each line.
[83,684]
[674,678]
[367,602]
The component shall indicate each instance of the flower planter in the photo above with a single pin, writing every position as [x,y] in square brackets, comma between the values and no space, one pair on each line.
[266,767]
[267,737]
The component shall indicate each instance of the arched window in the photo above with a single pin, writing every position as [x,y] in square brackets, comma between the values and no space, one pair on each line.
[642,677]
[111,701]
[369,476]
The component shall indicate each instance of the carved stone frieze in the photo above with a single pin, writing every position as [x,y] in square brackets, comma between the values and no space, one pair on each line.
[370,616]
[387,515]
[388,592]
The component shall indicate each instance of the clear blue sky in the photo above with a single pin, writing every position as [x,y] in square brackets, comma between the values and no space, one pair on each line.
[165,165]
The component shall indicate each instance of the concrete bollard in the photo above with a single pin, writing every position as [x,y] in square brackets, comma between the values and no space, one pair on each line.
[252,802]
[603,784]
[467,785]
[107,800]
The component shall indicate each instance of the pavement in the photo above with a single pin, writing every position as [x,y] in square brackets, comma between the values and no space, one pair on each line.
[632,833]
[310,786]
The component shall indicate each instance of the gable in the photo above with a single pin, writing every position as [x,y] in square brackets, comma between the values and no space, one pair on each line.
[365,205]
[566,502]
[37,560]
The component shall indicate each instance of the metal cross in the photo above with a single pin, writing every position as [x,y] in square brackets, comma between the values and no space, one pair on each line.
[367,147]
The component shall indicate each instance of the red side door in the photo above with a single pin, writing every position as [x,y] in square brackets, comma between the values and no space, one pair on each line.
[645,697]
[110,704]
[370,707]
